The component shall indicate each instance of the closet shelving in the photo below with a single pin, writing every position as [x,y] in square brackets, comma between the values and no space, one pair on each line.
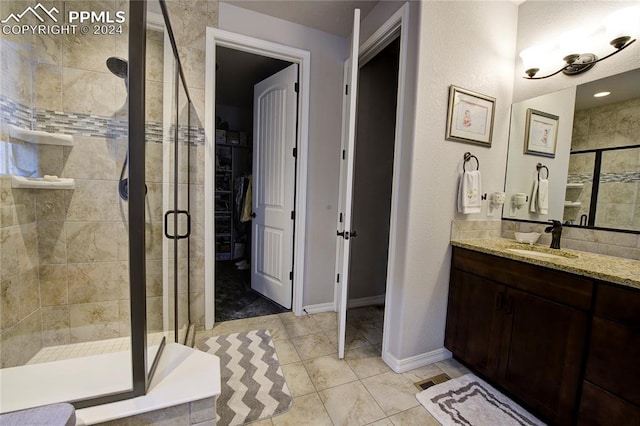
[230,156]
[224,201]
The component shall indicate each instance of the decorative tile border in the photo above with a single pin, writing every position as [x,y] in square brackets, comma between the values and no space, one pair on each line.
[17,114]
[625,177]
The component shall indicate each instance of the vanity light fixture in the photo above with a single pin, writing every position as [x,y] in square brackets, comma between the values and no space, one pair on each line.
[621,27]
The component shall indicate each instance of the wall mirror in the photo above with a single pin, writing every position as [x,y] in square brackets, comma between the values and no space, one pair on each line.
[593,177]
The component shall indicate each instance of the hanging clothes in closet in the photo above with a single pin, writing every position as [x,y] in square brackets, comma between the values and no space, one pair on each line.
[247,209]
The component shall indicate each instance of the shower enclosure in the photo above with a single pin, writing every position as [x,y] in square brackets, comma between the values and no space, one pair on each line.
[95,226]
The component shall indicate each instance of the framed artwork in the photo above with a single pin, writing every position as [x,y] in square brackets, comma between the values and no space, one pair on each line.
[470,116]
[541,133]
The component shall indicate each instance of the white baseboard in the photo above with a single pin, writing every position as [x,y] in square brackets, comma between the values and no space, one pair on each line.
[366,301]
[320,307]
[417,361]
[353,303]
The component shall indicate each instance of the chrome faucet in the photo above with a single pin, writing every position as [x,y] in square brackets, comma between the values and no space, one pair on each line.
[556,233]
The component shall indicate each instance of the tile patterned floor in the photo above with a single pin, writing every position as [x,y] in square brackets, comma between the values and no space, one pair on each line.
[359,390]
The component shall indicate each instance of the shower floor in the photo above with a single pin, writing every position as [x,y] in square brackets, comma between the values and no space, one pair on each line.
[78,350]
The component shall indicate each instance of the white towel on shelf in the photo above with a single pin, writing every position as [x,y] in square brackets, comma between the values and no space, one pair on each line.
[540,197]
[469,190]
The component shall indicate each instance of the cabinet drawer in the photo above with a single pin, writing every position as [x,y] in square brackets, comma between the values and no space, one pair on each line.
[619,303]
[561,287]
[614,352]
[600,408]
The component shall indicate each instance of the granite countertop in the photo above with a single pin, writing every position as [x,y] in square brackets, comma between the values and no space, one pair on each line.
[606,268]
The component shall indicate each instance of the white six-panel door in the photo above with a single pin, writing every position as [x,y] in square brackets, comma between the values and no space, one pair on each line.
[346,177]
[274,133]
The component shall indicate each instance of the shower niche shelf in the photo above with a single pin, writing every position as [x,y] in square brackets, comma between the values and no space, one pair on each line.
[39,137]
[42,183]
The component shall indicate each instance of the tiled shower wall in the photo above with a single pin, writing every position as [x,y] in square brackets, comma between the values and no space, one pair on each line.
[20,313]
[609,126]
[70,247]
[20,307]
[80,268]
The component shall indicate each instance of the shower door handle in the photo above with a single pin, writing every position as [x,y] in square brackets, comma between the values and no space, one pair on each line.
[166,224]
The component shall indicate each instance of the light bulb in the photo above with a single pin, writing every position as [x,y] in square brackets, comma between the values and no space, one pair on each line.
[575,41]
[623,22]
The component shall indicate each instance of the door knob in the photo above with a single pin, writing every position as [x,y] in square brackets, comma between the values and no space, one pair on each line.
[343,234]
[253,215]
[354,233]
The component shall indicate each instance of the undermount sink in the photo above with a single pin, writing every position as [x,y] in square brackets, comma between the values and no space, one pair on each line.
[535,253]
[542,252]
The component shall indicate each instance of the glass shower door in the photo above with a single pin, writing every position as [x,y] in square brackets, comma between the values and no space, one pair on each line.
[182,217]
[176,217]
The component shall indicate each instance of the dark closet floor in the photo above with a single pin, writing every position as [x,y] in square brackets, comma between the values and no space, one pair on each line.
[234,297]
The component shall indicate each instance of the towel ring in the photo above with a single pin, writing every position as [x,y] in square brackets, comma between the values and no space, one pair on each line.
[541,166]
[467,157]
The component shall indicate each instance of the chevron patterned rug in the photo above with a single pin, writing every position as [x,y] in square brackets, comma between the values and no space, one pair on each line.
[253,386]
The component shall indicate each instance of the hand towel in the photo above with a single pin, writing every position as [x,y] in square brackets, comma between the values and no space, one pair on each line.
[533,199]
[543,196]
[540,197]
[469,191]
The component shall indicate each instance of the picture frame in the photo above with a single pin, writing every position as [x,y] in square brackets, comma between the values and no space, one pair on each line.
[470,117]
[541,133]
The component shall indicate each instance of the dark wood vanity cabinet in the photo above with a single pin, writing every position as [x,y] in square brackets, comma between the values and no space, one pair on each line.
[611,390]
[522,327]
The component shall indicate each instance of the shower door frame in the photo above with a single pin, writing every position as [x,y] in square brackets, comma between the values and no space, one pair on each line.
[137,245]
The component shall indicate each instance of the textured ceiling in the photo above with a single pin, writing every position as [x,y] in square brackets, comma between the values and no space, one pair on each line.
[622,87]
[334,17]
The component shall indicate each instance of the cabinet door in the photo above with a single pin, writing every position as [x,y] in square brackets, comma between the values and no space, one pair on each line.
[601,408]
[473,323]
[543,343]
[613,358]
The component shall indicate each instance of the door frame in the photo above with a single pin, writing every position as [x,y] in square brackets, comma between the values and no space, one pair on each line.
[398,23]
[216,37]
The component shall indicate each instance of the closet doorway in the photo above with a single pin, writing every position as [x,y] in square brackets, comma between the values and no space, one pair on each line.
[372,195]
[368,221]
[255,119]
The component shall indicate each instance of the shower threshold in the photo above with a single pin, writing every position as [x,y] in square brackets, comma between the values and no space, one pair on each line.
[183,375]
[98,347]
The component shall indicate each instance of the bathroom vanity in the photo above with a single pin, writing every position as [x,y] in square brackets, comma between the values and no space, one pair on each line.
[558,332]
